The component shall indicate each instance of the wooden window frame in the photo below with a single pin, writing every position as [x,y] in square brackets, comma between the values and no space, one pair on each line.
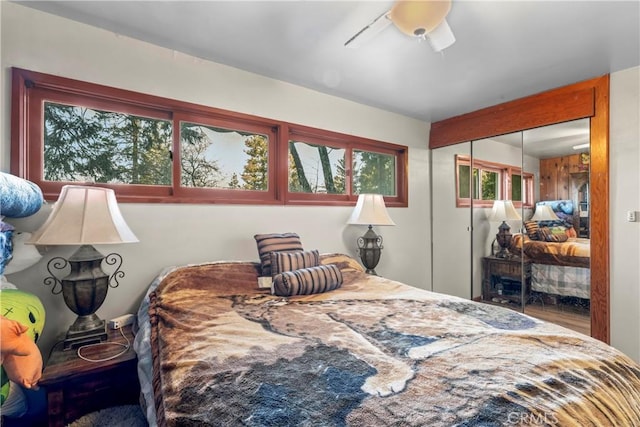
[336,140]
[30,89]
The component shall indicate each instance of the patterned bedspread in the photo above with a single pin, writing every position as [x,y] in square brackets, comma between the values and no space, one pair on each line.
[575,252]
[374,352]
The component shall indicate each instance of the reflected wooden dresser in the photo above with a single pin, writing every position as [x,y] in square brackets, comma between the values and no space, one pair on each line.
[502,279]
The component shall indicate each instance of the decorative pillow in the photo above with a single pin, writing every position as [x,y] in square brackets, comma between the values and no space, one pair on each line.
[313,280]
[571,232]
[532,229]
[21,358]
[293,260]
[552,234]
[274,242]
[554,223]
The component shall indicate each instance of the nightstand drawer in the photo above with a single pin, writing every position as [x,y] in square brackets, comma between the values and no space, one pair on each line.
[506,279]
[93,392]
[76,387]
[509,269]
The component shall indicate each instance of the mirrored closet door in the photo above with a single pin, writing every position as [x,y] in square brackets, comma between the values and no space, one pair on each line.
[521,210]
[497,203]
[556,234]
[451,234]
[538,178]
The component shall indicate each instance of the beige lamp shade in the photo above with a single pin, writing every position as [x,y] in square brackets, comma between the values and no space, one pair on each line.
[370,210]
[84,215]
[419,17]
[544,213]
[503,210]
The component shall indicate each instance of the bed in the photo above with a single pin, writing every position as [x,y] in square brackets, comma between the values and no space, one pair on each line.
[558,268]
[214,349]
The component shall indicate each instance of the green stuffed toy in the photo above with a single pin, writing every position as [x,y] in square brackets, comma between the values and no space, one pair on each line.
[27,310]
[5,386]
[24,308]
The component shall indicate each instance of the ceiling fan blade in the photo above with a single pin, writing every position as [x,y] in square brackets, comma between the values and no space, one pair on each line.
[368,32]
[441,37]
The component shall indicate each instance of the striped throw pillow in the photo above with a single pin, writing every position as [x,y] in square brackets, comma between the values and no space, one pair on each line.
[275,242]
[551,234]
[293,260]
[313,280]
[532,229]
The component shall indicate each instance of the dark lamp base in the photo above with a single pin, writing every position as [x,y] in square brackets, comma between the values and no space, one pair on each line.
[77,338]
[504,240]
[84,290]
[370,248]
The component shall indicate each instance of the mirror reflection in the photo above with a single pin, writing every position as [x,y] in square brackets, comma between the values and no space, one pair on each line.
[521,210]
[451,266]
[560,256]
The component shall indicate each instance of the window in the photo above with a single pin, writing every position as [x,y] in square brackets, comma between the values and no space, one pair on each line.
[491,181]
[152,149]
[83,144]
[316,168]
[374,173]
[325,165]
[226,160]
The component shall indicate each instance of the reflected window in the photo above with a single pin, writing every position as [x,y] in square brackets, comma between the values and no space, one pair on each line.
[486,181]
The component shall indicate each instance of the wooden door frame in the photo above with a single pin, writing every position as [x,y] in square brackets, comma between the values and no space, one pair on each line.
[587,99]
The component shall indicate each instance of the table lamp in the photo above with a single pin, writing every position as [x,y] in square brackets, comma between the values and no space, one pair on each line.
[544,213]
[370,210]
[504,211]
[84,216]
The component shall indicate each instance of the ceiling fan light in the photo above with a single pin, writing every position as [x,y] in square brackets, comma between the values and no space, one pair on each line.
[441,37]
[418,17]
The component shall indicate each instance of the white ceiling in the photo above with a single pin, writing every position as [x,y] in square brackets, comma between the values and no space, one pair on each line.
[504,50]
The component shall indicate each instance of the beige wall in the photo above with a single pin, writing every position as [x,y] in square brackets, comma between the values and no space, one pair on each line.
[178,234]
[624,161]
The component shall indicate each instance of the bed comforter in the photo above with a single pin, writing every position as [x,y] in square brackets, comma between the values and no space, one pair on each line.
[575,252]
[374,352]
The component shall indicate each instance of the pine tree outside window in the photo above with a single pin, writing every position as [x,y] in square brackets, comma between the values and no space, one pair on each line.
[334,167]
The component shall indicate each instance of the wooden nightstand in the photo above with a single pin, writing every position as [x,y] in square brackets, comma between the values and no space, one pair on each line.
[76,387]
[502,279]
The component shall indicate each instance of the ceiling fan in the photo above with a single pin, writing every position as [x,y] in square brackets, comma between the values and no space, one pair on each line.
[423,19]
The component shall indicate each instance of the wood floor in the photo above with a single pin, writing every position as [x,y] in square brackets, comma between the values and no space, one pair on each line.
[569,317]
[563,316]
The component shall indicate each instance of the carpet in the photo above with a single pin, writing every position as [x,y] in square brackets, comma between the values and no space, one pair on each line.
[128,415]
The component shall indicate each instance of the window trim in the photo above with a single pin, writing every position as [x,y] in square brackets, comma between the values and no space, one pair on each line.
[30,87]
[336,140]
[504,171]
[223,195]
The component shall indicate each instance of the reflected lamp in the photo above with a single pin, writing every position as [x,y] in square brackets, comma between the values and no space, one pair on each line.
[504,211]
[544,213]
[370,210]
[84,216]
